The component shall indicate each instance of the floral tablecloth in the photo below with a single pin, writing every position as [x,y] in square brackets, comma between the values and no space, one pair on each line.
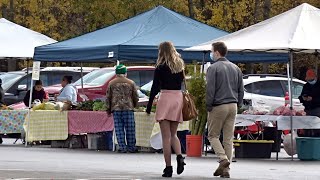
[12,121]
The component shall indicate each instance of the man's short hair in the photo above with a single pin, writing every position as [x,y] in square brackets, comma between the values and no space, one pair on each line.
[221,48]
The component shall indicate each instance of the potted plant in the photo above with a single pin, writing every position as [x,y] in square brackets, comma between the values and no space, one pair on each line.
[197,88]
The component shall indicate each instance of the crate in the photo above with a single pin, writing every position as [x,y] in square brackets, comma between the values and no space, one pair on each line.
[100,141]
[60,143]
[308,148]
[78,141]
[253,148]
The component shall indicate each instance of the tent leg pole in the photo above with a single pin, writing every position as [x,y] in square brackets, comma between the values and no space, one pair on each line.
[28,60]
[82,90]
[291,101]
[317,63]
[203,60]
[28,119]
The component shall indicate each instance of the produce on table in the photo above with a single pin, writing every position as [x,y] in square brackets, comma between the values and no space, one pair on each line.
[4,107]
[85,106]
[99,105]
[38,107]
[49,106]
[284,111]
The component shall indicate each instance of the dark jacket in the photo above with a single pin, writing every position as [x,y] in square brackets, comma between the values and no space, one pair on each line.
[224,84]
[314,92]
[35,95]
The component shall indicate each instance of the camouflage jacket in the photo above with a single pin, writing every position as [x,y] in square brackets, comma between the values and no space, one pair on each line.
[122,95]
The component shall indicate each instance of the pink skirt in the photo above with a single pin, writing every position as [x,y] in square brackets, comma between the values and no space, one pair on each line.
[169,106]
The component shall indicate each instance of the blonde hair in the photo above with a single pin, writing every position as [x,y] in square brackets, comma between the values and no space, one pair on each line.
[168,55]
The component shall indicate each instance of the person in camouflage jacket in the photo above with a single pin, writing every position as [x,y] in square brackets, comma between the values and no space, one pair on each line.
[122,98]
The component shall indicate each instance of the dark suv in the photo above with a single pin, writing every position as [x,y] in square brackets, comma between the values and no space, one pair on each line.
[15,84]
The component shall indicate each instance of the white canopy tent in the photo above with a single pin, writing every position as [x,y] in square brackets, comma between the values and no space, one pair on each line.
[19,42]
[294,31]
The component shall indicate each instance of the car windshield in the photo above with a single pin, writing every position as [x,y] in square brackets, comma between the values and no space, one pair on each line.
[8,79]
[296,88]
[96,78]
[147,87]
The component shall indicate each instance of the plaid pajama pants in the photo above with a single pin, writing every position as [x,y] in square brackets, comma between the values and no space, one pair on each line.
[125,130]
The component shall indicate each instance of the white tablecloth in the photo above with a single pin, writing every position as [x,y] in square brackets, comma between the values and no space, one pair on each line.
[299,122]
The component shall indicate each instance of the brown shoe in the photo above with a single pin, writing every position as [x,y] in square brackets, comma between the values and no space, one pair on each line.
[223,165]
[226,173]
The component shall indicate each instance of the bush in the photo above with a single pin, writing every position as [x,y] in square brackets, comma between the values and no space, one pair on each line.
[197,88]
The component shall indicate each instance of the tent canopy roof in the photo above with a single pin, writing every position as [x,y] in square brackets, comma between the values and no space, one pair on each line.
[18,41]
[137,39]
[297,29]
[133,39]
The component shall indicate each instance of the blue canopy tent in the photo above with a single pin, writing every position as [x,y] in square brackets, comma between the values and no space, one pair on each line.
[137,39]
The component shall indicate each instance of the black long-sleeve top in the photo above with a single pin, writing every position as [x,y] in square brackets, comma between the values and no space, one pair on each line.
[164,79]
[314,92]
[35,95]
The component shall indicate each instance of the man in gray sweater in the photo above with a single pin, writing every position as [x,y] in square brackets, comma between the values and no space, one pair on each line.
[224,95]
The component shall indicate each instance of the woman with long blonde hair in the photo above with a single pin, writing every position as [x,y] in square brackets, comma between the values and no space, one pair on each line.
[168,78]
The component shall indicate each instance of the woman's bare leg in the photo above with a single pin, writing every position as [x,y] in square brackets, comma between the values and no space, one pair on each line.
[166,141]
[175,142]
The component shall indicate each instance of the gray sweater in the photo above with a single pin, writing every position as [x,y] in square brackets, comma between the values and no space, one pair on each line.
[224,84]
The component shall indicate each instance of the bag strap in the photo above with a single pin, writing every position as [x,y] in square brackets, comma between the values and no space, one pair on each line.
[185,81]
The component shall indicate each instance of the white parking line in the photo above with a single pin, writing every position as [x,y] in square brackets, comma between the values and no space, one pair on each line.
[103,178]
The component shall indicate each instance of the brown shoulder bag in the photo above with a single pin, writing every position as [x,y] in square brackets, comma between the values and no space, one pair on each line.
[189,110]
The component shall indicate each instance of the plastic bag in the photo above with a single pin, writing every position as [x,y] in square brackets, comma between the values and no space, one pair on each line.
[49,106]
[301,113]
[287,144]
[257,110]
[38,106]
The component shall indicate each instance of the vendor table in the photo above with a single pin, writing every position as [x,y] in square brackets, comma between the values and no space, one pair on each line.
[89,122]
[12,121]
[47,125]
[146,128]
[283,122]
[56,125]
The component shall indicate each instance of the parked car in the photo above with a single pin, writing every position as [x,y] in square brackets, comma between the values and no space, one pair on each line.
[15,84]
[95,84]
[267,90]
[270,90]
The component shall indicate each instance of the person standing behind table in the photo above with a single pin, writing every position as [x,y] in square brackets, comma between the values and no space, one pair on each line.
[310,98]
[122,98]
[224,93]
[168,77]
[68,93]
[37,93]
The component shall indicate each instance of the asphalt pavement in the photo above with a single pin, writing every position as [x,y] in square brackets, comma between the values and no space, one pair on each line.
[42,162]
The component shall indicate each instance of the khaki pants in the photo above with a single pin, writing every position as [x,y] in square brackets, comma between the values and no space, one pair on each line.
[222,118]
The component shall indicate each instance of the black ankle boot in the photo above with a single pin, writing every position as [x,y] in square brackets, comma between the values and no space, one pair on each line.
[167,172]
[180,164]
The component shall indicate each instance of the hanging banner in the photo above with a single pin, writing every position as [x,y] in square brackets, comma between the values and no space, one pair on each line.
[36,70]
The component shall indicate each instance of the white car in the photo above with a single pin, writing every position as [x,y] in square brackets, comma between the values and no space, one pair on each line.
[265,90]
[270,90]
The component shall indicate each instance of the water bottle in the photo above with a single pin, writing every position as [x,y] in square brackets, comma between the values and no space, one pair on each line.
[286,99]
